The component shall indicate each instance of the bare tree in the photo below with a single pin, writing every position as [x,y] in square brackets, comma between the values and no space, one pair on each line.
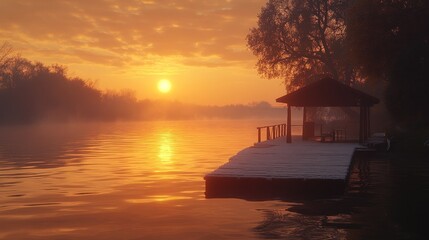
[6,51]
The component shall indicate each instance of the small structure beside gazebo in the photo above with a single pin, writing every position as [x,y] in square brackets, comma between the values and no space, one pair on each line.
[328,92]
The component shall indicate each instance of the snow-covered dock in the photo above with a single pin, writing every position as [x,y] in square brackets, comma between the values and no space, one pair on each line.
[275,168]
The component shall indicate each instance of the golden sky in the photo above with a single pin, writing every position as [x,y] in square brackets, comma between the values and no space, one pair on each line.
[199,45]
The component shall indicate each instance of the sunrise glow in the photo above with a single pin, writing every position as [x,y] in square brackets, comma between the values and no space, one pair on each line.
[164,86]
[133,45]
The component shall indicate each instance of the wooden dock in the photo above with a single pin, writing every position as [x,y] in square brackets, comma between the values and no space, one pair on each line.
[274,169]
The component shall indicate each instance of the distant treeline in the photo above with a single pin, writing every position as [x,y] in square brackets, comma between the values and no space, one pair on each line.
[31,92]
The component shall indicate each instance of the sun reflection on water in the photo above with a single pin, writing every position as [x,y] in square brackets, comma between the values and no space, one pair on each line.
[165,153]
[158,198]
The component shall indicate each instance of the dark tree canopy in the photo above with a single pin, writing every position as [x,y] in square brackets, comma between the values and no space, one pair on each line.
[298,40]
[389,39]
[30,92]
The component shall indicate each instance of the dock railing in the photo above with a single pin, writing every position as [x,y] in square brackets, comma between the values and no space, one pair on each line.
[273,131]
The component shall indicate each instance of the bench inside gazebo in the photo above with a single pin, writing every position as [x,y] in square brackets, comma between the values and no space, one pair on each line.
[328,92]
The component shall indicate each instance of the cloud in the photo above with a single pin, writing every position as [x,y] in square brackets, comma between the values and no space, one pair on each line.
[119,32]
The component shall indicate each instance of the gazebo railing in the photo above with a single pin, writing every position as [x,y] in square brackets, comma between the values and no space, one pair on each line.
[273,131]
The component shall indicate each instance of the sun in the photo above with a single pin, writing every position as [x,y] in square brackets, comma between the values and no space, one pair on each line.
[164,86]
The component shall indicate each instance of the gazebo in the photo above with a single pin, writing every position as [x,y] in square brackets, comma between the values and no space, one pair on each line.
[328,92]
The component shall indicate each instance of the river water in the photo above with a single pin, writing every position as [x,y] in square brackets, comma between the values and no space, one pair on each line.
[138,180]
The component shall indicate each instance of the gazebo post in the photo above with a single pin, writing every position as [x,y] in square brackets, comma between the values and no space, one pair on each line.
[364,129]
[304,119]
[289,130]
[368,121]
[365,124]
[361,127]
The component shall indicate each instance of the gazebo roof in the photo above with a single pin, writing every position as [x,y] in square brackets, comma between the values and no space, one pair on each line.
[328,92]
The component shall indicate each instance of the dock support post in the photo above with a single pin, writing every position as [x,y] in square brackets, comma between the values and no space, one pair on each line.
[289,130]
[259,135]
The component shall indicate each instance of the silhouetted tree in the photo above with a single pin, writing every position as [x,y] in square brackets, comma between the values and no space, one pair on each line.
[121,105]
[300,39]
[389,39]
[5,55]
[31,91]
